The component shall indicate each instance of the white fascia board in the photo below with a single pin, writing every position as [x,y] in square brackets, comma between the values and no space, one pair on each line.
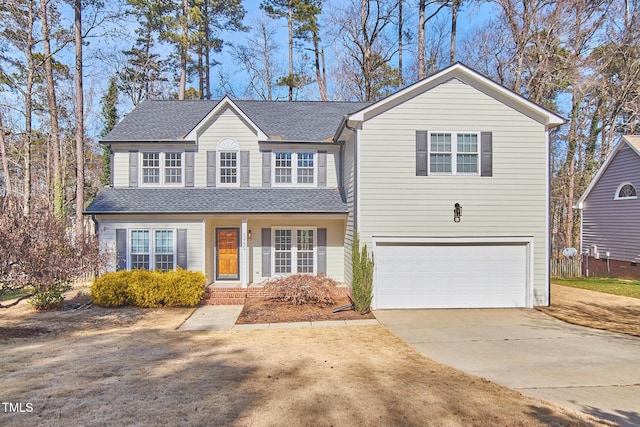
[225,102]
[603,168]
[466,75]
[452,240]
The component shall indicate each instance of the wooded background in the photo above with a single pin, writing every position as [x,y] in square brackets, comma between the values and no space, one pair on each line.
[578,58]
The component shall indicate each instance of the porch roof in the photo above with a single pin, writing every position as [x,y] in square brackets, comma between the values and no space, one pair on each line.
[216,200]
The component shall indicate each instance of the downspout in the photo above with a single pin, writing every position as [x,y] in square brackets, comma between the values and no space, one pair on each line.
[355,172]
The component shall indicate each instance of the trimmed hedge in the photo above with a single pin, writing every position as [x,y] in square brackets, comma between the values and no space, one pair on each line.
[176,288]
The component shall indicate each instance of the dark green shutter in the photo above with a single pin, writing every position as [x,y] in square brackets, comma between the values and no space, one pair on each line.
[188,168]
[211,168]
[266,168]
[133,168]
[121,249]
[322,251]
[486,160]
[266,252]
[422,156]
[181,243]
[245,160]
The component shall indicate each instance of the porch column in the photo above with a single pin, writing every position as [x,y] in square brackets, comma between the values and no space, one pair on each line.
[244,258]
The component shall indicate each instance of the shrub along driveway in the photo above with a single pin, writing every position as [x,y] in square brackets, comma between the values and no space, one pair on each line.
[592,371]
[132,367]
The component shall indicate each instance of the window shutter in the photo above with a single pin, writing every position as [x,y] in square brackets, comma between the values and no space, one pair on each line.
[245,160]
[486,161]
[266,252]
[211,168]
[322,252]
[188,168]
[133,168]
[266,168]
[421,153]
[121,249]
[181,243]
[322,168]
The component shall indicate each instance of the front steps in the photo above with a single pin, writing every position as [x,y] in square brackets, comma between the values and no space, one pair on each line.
[224,296]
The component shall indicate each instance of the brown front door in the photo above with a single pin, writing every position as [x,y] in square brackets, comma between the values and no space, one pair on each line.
[227,244]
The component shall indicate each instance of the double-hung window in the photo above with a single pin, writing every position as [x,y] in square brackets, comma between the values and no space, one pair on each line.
[228,168]
[152,250]
[454,153]
[294,251]
[161,168]
[294,168]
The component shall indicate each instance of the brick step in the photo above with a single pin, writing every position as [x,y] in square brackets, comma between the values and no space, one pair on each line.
[224,296]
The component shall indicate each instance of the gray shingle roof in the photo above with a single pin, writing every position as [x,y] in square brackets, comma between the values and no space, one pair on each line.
[217,200]
[171,120]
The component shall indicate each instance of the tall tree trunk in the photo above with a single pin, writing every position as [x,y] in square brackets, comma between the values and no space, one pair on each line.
[320,76]
[421,47]
[5,164]
[28,112]
[207,53]
[79,113]
[183,49]
[290,79]
[400,29]
[455,5]
[58,193]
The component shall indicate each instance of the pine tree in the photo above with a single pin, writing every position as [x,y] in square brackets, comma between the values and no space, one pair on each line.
[110,115]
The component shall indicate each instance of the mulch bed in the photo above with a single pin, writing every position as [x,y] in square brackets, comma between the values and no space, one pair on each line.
[260,310]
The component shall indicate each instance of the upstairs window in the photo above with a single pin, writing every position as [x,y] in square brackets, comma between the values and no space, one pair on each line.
[294,168]
[160,168]
[626,190]
[454,153]
[228,167]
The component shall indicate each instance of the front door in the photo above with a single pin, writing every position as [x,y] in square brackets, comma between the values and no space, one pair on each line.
[227,245]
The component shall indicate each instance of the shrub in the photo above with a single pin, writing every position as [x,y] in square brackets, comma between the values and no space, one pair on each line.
[301,289]
[362,280]
[111,289]
[49,297]
[149,288]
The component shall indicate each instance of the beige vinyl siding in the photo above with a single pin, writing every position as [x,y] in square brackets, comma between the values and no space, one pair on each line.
[227,124]
[333,165]
[107,226]
[396,202]
[121,168]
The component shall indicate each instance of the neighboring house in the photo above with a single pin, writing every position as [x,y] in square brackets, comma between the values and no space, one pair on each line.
[611,214]
[247,190]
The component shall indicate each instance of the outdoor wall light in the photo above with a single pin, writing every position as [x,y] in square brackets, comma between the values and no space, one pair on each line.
[249,234]
[457,212]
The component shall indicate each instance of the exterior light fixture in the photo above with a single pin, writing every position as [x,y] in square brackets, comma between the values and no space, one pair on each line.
[457,212]
[249,235]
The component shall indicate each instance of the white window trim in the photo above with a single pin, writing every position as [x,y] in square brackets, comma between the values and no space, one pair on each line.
[219,182]
[294,168]
[162,182]
[454,153]
[617,197]
[152,251]
[294,250]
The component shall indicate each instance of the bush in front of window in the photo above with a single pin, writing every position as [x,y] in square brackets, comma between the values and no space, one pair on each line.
[299,289]
[175,288]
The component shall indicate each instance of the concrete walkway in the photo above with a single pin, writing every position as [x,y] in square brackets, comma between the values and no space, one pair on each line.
[591,371]
[224,317]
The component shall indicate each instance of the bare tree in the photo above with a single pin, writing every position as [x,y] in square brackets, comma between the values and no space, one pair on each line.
[79,115]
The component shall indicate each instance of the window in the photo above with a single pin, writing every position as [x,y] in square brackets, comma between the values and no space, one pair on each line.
[228,167]
[294,250]
[159,168]
[294,168]
[139,249]
[454,153]
[626,190]
[152,250]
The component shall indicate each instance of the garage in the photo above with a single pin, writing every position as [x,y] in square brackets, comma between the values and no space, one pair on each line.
[443,274]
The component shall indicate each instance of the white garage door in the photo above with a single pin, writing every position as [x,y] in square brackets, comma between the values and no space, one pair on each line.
[450,276]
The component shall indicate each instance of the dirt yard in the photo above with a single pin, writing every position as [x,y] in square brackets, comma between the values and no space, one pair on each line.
[104,367]
[595,309]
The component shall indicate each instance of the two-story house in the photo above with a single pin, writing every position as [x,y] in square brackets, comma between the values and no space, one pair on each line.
[447,181]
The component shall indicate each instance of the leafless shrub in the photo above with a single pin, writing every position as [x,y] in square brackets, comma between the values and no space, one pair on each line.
[301,289]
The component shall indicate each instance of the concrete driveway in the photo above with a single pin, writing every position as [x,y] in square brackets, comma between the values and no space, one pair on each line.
[587,370]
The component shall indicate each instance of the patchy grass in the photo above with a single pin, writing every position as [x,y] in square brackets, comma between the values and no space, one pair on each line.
[626,288]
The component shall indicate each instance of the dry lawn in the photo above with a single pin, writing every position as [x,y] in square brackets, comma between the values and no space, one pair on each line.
[104,367]
[595,309]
